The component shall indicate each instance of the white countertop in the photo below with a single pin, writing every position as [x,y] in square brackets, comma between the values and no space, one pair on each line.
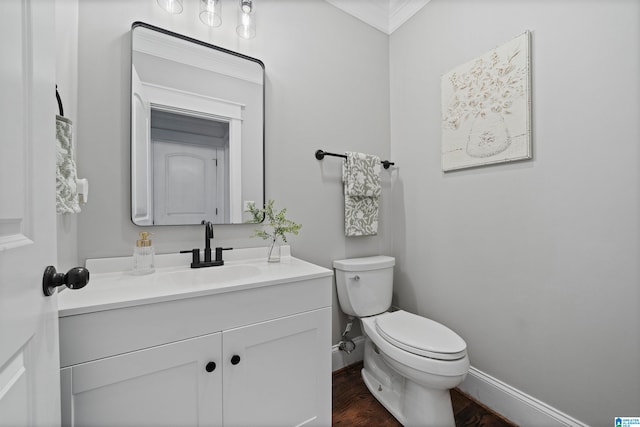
[112,285]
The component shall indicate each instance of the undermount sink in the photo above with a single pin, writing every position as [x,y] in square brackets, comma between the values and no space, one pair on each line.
[212,275]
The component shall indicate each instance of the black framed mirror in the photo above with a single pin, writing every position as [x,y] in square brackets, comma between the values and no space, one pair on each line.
[197,130]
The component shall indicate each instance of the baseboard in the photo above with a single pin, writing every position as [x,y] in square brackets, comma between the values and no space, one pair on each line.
[508,401]
[340,359]
[513,404]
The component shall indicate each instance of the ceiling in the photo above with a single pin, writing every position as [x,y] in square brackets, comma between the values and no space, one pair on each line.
[385,15]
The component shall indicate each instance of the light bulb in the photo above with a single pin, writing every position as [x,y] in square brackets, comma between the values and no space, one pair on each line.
[246,6]
[211,12]
[171,6]
[246,20]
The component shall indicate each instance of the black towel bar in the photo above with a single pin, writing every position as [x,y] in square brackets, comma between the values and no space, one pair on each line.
[320,155]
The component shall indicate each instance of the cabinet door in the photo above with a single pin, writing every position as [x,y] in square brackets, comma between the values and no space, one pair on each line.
[282,372]
[168,385]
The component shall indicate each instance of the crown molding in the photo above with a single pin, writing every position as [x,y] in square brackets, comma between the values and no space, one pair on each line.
[384,15]
[402,10]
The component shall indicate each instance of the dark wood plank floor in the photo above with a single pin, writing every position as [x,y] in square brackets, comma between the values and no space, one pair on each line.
[354,406]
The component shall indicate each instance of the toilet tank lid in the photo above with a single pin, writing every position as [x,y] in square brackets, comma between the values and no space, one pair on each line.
[365,263]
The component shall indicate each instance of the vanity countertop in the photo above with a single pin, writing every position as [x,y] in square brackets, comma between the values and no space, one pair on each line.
[112,285]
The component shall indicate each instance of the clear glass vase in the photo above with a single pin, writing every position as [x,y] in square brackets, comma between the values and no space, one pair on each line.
[274,251]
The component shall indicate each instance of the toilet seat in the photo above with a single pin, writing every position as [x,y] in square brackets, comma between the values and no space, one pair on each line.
[421,336]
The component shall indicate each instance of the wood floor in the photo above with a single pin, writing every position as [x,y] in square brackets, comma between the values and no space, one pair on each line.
[354,406]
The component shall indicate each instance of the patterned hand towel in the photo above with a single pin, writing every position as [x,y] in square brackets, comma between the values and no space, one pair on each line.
[66,192]
[361,176]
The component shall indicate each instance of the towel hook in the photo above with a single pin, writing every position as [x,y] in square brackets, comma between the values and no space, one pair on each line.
[60,110]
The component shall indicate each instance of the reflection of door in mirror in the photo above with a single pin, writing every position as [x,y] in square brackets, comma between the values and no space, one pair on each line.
[197,130]
[141,196]
[189,157]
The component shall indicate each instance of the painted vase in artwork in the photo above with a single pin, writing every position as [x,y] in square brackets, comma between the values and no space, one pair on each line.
[488,136]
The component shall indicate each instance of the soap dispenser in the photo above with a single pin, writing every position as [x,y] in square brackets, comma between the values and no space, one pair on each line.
[143,255]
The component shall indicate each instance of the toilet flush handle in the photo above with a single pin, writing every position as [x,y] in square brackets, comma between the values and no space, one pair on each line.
[356,277]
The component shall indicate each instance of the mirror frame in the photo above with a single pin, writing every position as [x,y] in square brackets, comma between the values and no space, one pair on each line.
[137,24]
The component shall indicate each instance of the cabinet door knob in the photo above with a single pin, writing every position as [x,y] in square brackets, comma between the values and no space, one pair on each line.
[235,359]
[211,366]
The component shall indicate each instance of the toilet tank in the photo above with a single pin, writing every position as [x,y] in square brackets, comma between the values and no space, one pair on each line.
[365,285]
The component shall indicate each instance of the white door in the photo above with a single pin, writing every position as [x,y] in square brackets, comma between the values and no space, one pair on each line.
[278,373]
[29,368]
[188,183]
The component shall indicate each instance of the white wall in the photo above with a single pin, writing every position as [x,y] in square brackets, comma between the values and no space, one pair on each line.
[535,264]
[327,86]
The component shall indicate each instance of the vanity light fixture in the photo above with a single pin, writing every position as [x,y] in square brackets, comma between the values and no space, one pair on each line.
[246,20]
[172,6]
[211,14]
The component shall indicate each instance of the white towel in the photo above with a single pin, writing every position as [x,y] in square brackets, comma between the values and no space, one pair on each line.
[361,176]
[66,192]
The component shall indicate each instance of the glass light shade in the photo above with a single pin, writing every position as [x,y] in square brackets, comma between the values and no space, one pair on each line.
[211,12]
[171,6]
[246,20]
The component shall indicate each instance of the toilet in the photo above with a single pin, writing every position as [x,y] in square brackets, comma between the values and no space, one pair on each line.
[410,362]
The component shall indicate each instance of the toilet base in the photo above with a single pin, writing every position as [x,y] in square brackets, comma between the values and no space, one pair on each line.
[410,403]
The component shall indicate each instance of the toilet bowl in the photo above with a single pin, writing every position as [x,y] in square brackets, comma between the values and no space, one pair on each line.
[410,362]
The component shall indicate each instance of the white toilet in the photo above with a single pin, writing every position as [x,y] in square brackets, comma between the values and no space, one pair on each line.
[410,362]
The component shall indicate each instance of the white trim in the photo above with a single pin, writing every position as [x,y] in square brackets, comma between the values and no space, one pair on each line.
[235,172]
[507,401]
[340,359]
[512,403]
[194,103]
[403,11]
[373,13]
[384,15]
[141,172]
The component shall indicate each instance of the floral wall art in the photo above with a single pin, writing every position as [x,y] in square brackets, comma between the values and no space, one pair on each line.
[486,108]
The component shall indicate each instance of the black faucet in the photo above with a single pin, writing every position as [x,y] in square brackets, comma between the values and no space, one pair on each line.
[208,235]
[195,259]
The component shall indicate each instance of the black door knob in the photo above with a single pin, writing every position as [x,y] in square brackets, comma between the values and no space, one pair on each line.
[235,359]
[76,278]
[211,366]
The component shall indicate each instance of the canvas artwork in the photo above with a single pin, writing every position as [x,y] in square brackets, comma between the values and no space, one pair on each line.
[486,108]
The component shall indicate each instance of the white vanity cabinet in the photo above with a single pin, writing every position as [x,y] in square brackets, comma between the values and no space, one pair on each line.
[277,381]
[252,356]
[166,385]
